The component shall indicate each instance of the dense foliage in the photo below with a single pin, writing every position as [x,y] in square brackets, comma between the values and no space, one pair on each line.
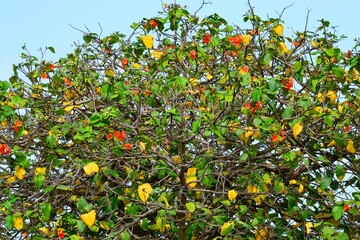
[187,129]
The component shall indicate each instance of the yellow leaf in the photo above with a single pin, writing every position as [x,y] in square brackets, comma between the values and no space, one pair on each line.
[142,146]
[314,44]
[331,95]
[301,188]
[144,191]
[282,48]
[246,39]
[261,234]
[165,201]
[332,143]
[194,81]
[136,65]
[318,109]
[350,147]
[18,223]
[232,194]
[297,129]
[258,199]
[209,76]
[45,231]
[278,29]
[89,218]
[157,54]
[293,181]
[148,41]
[177,159]
[191,177]
[252,189]
[320,97]
[308,227]
[109,73]
[20,172]
[11,179]
[226,228]
[40,170]
[91,168]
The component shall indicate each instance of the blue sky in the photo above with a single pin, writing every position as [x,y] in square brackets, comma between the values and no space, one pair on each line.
[43,23]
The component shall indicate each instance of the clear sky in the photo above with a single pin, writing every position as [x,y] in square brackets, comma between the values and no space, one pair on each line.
[41,23]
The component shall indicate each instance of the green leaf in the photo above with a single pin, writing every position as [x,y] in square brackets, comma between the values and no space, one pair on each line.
[245,80]
[288,112]
[45,209]
[330,52]
[39,180]
[256,95]
[328,120]
[339,171]
[196,125]
[190,206]
[80,226]
[51,49]
[297,66]
[125,235]
[273,84]
[337,212]
[83,206]
[9,221]
[325,183]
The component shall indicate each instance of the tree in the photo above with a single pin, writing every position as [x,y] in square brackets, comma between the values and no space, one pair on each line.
[188,129]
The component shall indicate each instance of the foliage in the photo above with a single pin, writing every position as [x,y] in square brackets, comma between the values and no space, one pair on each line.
[188,129]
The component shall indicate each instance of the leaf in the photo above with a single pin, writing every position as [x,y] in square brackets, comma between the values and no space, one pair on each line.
[89,218]
[261,234]
[308,227]
[331,95]
[191,177]
[45,209]
[144,191]
[226,228]
[278,29]
[350,147]
[109,73]
[39,180]
[20,172]
[256,95]
[9,221]
[337,212]
[91,168]
[196,126]
[258,199]
[125,235]
[160,224]
[297,129]
[148,41]
[232,194]
[190,206]
[18,222]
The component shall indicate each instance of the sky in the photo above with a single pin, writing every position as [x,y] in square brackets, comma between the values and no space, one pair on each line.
[41,23]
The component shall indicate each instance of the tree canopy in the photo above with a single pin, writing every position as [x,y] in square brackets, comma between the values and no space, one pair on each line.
[188,128]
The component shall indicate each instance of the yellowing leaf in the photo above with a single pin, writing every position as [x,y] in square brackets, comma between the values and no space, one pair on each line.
[157,54]
[350,147]
[40,170]
[246,39]
[160,224]
[252,189]
[177,159]
[91,168]
[104,225]
[318,109]
[308,227]
[232,194]
[297,129]
[142,146]
[45,231]
[282,48]
[20,172]
[293,181]
[11,179]
[144,191]
[301,188]
[136,65]
[266,178]
[209,76]
[331,95]
[226,228]
[165,201]
[258,199]
[191,177]
[18,223]
[89,218]
[109,73]
[332,143]
[320,97]
[278,29]
[261,234]
[148,41]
